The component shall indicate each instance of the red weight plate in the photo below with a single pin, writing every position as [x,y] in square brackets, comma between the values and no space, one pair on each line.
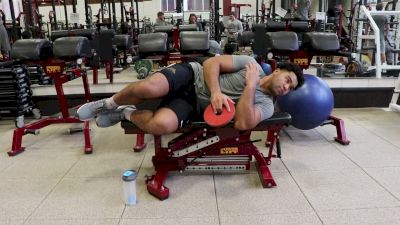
[219,120]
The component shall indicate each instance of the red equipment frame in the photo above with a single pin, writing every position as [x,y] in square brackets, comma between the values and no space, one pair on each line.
[200,147]
[55,69]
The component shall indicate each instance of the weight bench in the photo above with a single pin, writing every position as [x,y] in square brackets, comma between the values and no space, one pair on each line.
[154,47]
[201,147]
[123,43]
[62,67]
[283,45]
[286,44]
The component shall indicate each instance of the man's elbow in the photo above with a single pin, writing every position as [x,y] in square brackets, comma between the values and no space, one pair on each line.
[243,125]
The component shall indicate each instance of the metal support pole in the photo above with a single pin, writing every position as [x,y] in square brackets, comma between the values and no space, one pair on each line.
[137,13]
[122,11]
[216,21]
[15,35]
[257,11]
[114,16]
[88,22]
[66,14]
[74,11]
[30,14]
[53,6]
[109,11]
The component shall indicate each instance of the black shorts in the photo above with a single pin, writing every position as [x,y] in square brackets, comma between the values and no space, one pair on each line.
[181,97]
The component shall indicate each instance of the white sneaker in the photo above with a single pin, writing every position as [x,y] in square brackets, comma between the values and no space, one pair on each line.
[90,110]
[112,117]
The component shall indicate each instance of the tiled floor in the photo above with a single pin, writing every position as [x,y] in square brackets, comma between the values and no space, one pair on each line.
[318,180]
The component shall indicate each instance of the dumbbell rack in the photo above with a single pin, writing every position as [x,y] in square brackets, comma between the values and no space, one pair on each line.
[38,76]
[15,91]
[55,69]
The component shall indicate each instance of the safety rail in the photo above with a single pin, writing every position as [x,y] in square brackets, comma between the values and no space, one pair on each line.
[376,37]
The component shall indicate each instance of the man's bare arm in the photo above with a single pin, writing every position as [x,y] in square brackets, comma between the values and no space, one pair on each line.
[247,115]
[213,67]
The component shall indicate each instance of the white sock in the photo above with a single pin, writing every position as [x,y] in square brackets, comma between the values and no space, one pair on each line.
[128,112]
[110,103]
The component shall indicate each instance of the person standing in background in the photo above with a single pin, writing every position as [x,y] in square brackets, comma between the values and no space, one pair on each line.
[5,47]
[302,10]
[193,20]
[160,21]
[381,21]
[233,27]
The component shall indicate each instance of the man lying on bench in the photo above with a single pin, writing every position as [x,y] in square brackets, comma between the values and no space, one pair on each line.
[220,80]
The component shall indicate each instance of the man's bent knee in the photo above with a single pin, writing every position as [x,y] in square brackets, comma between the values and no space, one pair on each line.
[162,127]
[164,121]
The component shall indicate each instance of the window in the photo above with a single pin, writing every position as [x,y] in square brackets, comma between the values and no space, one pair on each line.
[197,5]
[168,5]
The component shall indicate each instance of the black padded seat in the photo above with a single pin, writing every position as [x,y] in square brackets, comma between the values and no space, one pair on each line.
[276,26]
[122,41]
[72,48]
[110,32]
[188,27]
[59,34]
[321,41]
[277,118]
[153,43]
[163,29]
[282,40]
[299,26]
[87,33]
[245,38]
[32,49]
[194,41]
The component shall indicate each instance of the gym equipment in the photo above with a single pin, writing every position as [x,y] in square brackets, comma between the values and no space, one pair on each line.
[15,91]
[393,105]
[143,67]
[155,47]
[310,105]
[219,119]
[201,147]
[123,44]
[106,46]
[266,68]
[284,45]
[367,14]
[61,61]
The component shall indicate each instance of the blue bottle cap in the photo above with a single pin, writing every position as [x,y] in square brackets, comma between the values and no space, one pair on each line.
[129,175]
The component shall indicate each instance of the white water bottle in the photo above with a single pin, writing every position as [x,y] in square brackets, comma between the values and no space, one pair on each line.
[129,187]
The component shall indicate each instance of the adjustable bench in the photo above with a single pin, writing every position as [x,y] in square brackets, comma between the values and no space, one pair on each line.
[201,147]
[62,67]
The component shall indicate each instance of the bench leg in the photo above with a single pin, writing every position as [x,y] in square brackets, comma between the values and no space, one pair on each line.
[340,131]
[265,174]
[155,185]
[140,144]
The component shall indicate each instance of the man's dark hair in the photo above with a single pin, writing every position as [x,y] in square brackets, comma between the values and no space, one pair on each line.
[160,14]
[296,69]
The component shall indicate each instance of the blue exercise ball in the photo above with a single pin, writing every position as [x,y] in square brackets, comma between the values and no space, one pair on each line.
[266,68]
[310,105]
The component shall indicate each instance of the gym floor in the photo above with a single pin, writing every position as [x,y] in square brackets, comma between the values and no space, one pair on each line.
[318,180]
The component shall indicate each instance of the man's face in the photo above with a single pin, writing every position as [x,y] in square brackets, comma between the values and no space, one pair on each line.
[193,19]
[161,17]
[283,82]
[232,17]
